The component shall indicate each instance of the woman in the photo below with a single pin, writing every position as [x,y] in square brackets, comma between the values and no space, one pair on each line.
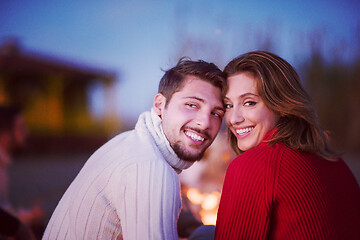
[287,183]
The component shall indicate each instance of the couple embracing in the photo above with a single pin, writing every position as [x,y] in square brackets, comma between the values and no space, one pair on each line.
[286,182]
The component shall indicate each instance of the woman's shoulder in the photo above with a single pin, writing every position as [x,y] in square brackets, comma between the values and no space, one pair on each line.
[262,151]
[256,169]
[259,158]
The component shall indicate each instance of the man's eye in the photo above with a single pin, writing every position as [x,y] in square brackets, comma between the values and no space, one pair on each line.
[191,105]
[228,105]
[219,115]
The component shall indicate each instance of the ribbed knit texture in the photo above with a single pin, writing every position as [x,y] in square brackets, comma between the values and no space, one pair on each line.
[128,189]
[278,193]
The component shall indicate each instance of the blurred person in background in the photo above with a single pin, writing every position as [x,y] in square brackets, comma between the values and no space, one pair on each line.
[286,183]
[129,188]
[13,135]
[12,228]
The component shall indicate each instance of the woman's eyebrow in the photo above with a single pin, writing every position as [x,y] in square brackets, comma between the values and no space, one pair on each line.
[247,94]
[244,95]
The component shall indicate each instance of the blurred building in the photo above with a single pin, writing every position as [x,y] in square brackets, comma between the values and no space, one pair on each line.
[54,95]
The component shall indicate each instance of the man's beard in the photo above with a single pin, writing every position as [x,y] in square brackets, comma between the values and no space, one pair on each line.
[183,154]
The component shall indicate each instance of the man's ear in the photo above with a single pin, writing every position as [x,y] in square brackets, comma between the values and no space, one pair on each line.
[159,104]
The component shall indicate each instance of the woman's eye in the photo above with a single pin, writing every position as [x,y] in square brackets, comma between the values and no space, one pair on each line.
[250,103]
[228,105]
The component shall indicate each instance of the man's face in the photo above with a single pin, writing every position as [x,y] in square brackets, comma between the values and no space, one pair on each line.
[192,118]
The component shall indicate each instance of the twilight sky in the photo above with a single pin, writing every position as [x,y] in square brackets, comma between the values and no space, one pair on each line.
[136,39]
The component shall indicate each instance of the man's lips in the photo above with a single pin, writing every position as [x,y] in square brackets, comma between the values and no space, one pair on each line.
[196,134]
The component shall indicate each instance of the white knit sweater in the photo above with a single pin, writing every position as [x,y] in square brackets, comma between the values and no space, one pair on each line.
[128,189]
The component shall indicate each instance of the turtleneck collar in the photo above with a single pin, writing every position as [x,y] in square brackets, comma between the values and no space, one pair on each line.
[268,136]
[152,123]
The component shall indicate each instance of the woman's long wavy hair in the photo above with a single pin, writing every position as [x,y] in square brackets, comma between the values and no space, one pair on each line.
[280,88]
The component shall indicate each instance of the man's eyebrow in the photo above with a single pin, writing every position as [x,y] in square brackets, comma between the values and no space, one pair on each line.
[197,98]
[202,100]
[220,108]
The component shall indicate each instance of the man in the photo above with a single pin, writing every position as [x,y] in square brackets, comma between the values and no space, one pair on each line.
[129,188]
[12,135]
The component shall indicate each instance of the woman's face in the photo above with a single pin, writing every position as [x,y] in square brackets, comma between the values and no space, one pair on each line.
[246,114]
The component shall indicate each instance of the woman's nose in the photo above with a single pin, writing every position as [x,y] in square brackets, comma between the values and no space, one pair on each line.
[235,116]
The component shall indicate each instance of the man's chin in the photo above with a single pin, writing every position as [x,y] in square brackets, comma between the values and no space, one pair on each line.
[186,155]
[191,160]
[190,157]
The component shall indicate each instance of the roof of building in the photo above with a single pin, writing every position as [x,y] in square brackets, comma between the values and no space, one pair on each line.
[17,61]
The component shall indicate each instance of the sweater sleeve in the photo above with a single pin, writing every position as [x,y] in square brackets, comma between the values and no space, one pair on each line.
[151,202]
[246,198]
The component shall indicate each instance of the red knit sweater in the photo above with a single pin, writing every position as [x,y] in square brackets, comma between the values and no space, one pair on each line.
[277,193]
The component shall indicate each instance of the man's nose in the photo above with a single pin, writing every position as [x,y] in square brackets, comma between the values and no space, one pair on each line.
[203,120]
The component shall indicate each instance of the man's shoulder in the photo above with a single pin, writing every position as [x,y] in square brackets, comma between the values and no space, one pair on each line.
[125,153]
[128,147]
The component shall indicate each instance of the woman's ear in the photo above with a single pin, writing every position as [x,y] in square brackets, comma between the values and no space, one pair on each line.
[159,104]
